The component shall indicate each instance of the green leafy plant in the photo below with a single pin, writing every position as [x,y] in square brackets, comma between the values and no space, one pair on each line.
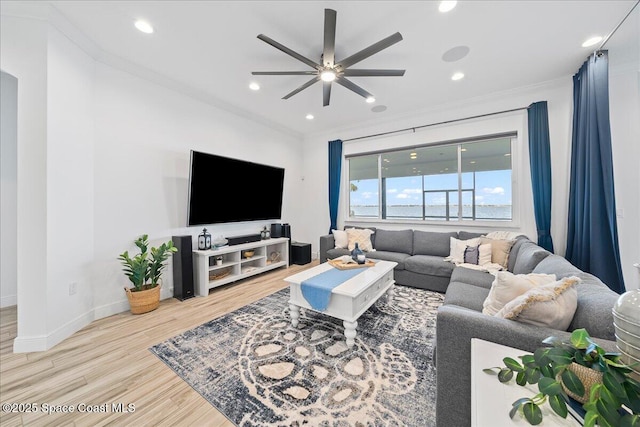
[145,268]
[550,368]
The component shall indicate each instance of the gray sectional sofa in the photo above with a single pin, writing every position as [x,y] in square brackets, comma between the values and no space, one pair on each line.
[419,254]
[420,257]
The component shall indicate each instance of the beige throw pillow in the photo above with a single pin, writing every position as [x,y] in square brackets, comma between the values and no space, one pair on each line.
[362,237]
[500,250]
[508,286]
[485,254]
[552,305]
[341,239]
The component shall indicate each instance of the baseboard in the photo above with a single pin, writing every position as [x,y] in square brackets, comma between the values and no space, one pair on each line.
[45,342]
[8,301]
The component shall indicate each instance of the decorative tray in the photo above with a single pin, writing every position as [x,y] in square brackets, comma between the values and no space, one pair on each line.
[341,265]
[217,275]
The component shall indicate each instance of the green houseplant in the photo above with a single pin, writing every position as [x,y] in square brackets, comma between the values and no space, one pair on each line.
[553,368]
[144,270]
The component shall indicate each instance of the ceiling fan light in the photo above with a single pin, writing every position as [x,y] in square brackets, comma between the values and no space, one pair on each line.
[446,6]
[370,99]
[309,117]
[328,75]
[457,76]
[254,86]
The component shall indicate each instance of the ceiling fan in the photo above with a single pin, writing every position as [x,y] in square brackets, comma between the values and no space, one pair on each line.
[328,70]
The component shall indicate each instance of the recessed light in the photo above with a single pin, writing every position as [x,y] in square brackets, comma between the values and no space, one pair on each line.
[371,99]
[328,75]
[457,76]
[507,154]
[463,149]
[472,162]
[254,86]
[446,6]
[309,116]
[144,26]
[592,41]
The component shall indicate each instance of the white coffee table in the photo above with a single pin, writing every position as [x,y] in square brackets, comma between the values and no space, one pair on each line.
[491,400]
[349,299]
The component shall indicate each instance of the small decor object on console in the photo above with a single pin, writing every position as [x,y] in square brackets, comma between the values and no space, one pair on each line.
[358,255]
[248,253]
[204,240]
[265,233]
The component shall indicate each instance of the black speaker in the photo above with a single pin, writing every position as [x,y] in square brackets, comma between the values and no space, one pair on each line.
[276,230]
[286,232]
[183,287]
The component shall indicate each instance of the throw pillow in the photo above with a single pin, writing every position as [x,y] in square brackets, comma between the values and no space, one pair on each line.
[484,254]
[552,305]
[472,254]
[341,239]
[457,248]
[499,250]
[508,286]
[362,237]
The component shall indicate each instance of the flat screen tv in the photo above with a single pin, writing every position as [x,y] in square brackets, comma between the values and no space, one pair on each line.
[222,189]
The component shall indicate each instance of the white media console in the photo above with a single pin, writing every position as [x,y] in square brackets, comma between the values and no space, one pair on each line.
[235,265]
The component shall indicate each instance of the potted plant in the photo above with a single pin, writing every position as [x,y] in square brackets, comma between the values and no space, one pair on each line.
[144,271]
[562,369]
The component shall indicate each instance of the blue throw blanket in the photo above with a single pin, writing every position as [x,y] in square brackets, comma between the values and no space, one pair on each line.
[317,289]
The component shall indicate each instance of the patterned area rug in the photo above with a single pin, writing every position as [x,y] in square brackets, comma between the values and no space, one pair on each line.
[258,370]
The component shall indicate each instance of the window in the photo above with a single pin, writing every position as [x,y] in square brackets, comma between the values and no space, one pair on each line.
[467,181]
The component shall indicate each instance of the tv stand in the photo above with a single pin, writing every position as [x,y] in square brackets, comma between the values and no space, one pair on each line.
[267,255]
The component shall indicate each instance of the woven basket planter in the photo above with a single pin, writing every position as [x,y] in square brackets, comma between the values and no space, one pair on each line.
[589,378]
[143,301]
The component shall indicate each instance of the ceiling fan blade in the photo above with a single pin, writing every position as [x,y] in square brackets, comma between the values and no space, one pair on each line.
[301,88]
[328,54]
[284,73]
[326,93]
[371,50]
[370,73]
[354,87]
[289,52]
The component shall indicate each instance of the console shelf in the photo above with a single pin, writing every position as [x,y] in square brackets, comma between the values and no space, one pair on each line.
[267,255]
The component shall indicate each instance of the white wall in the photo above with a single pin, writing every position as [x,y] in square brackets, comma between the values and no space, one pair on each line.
[23,44]
[624,97]
[70,135]
[8,189]
[103,157]
[144,134]
[558,96]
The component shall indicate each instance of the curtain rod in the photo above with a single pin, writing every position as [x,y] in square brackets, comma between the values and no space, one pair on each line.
[434,124]
[606,39]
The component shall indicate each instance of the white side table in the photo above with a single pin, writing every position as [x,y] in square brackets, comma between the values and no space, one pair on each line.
[491,400]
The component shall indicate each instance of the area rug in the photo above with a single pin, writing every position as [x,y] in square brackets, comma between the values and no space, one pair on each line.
[258,370]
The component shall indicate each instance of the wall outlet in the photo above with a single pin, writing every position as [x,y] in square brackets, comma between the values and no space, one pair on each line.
[73,288]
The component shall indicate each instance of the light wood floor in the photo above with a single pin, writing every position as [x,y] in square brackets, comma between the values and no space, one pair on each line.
[109,362]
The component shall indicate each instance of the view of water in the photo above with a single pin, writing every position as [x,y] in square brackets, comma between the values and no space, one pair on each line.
[435,211]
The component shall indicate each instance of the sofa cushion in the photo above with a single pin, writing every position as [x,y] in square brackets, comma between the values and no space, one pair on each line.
[394,241]
[551,305]
[398,257]
[373,236]
[465,295]
[513,254]
[508,286]
[595,307]
[466,235]
[429,264]
[555,264]
[479,278]
[337,252]
[361,236]
[431,242]
[529,256]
